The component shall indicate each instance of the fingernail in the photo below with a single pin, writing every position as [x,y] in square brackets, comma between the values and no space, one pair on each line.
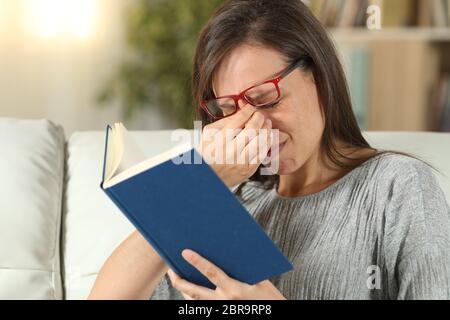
[187,254]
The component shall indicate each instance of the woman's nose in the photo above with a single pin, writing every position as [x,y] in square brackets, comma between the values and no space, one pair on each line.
[242,103]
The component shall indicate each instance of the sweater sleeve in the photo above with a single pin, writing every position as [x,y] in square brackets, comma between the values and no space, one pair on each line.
[165,291]
[417,231]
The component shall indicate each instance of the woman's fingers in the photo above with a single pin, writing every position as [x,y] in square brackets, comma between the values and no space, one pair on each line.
[256,150]
[221,134]
[192,291]
[247,134]
[186,297]
[208,269]
[231,145]
[239,120]
[263,149]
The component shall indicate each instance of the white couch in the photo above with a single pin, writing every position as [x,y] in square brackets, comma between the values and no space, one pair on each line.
[57,227]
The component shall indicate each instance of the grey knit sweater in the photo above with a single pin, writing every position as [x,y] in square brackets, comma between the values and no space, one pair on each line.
[380,232]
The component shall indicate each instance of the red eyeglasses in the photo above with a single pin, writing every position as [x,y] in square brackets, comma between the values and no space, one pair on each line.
[265,94]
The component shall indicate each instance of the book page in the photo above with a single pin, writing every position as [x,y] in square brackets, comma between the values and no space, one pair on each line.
[148,164]
[131,154]
[128,159]
[112,158]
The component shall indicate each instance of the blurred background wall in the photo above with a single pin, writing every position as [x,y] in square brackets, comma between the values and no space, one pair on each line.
[55,58]
[84,63]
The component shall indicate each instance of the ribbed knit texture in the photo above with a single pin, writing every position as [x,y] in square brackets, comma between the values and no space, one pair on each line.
[380,232]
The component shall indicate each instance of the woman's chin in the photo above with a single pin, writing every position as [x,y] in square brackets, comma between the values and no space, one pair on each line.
[284,170]
[280,167]
[287,167]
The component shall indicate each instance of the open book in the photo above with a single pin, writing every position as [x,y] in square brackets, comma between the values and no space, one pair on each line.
[177,205]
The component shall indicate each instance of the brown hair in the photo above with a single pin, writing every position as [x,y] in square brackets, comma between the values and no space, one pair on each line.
[289,27]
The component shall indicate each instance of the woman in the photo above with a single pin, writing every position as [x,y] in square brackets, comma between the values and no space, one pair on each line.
[355,222]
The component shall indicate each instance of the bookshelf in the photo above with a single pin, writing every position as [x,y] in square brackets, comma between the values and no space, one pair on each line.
[399,75]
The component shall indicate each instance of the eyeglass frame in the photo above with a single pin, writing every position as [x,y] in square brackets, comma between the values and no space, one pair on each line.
[241,96]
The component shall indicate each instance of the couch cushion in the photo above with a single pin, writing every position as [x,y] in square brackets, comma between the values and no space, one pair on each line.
[93,226]
[434,148]
[31,175]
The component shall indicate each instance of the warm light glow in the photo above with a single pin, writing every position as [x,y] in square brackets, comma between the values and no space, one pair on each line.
[53,18]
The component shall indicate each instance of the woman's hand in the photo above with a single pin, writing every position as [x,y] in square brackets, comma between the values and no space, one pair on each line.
[226,287]
[236,146]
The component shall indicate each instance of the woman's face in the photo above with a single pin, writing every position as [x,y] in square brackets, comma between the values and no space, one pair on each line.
[298,116]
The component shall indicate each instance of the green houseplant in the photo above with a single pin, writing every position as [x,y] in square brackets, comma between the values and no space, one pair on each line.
[161,35]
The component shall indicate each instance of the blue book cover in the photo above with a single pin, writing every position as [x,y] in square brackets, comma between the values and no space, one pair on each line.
[187,206]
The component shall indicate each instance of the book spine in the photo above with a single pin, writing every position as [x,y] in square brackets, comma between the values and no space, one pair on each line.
[147,236]
[108,129]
